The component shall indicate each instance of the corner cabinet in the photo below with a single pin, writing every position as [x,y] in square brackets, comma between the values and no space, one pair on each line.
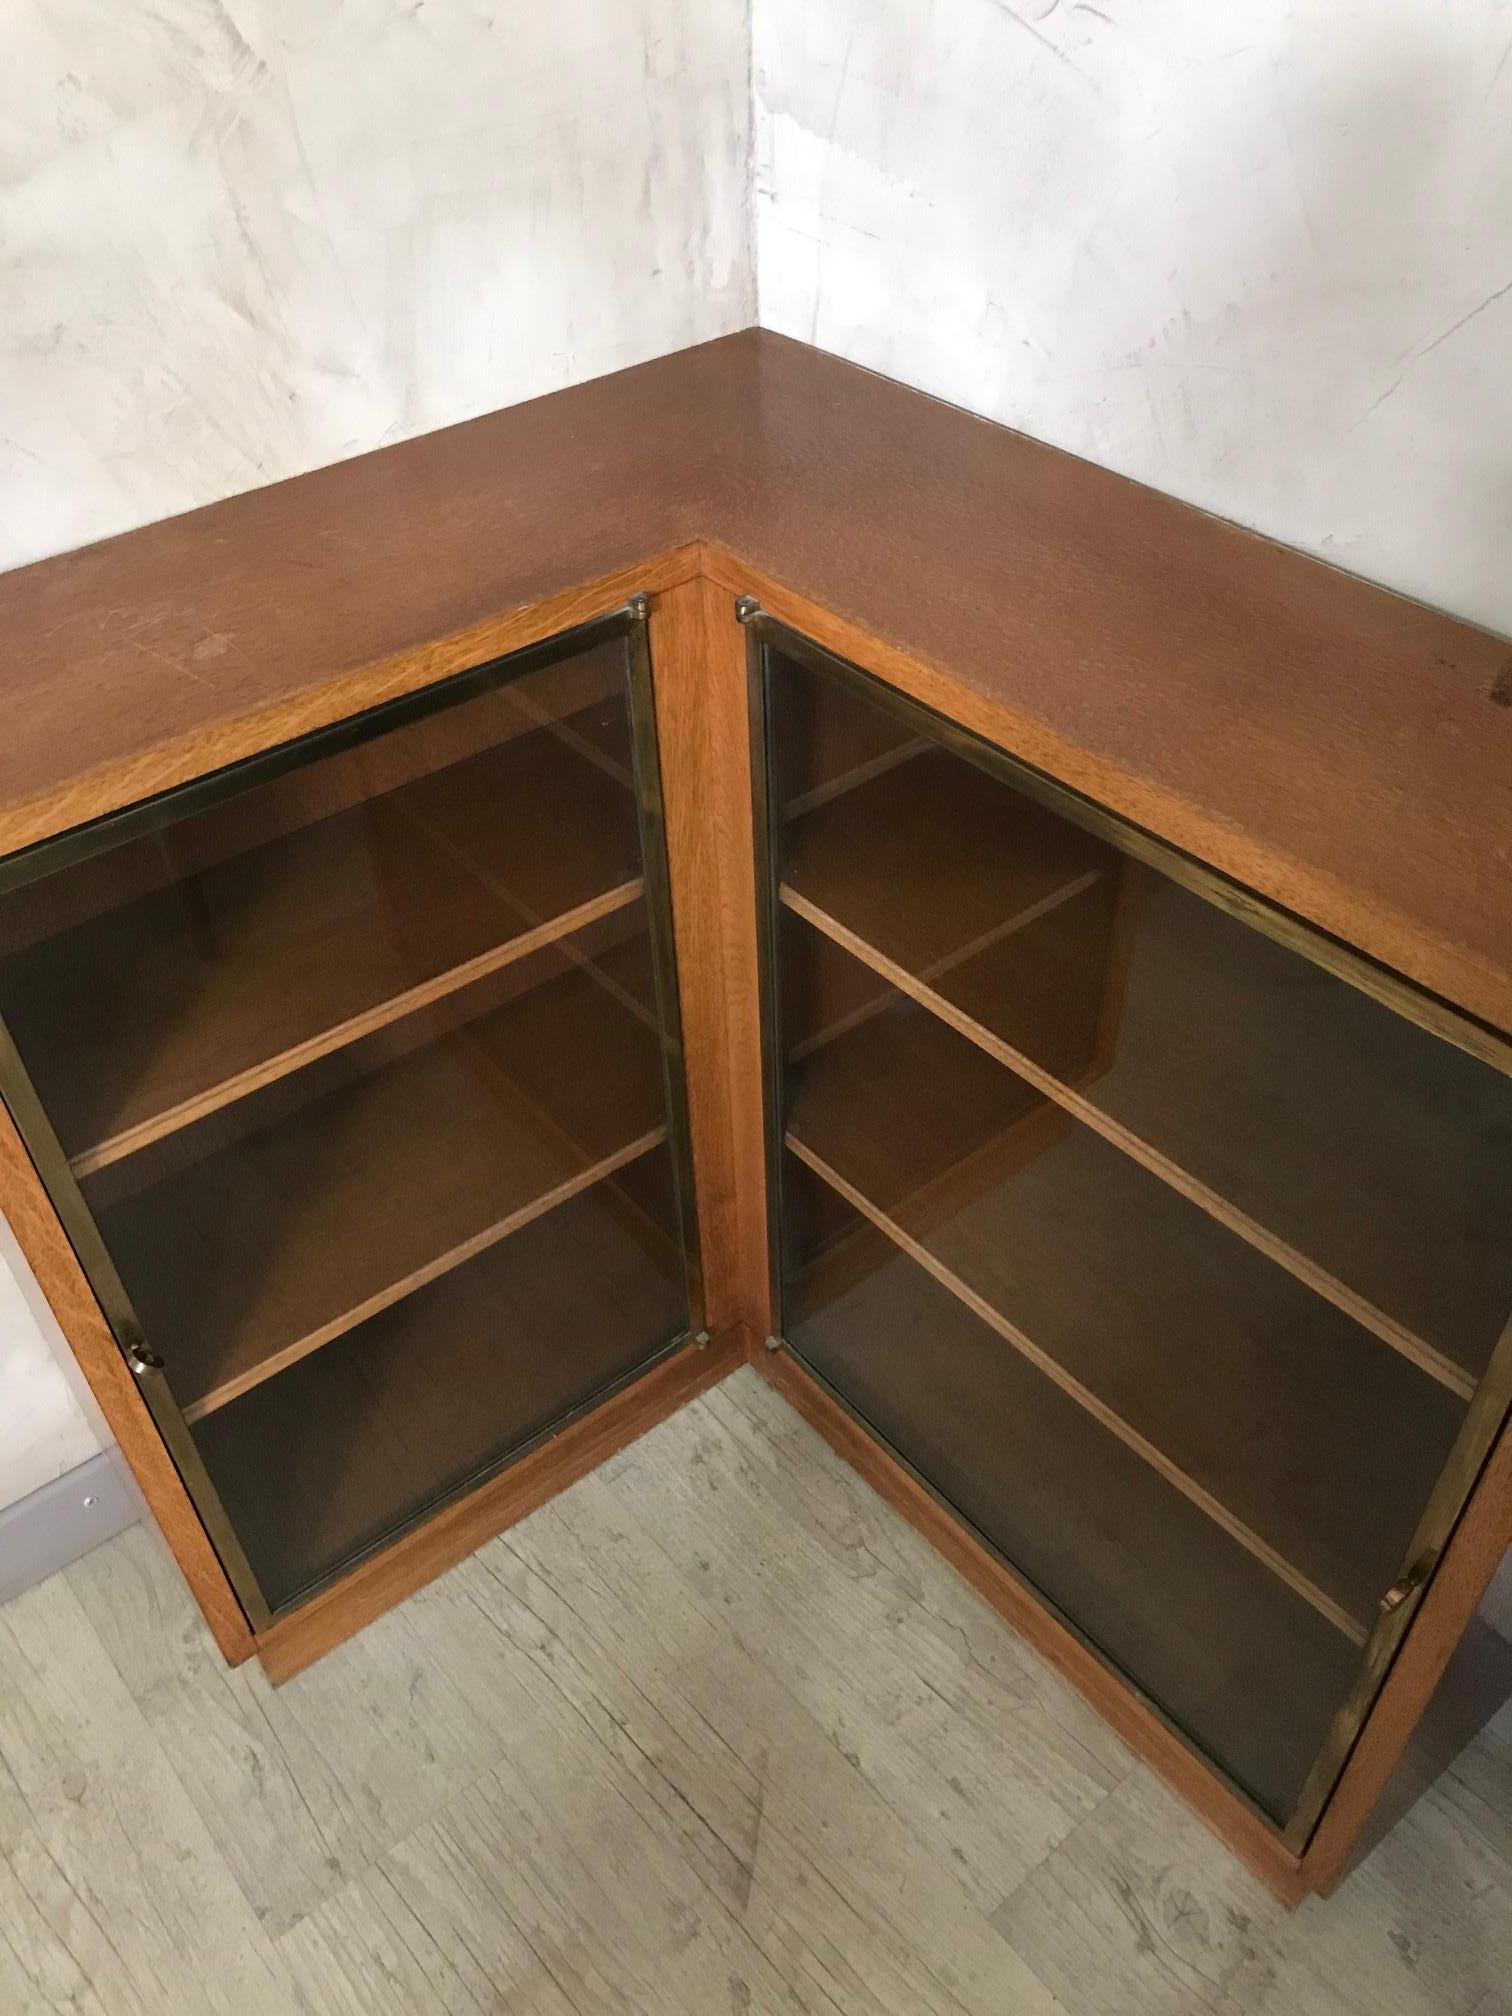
[354,1076]
[389,1159]
[1163,1240]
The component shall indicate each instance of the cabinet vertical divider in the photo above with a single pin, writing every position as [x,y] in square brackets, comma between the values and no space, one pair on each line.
[698,670]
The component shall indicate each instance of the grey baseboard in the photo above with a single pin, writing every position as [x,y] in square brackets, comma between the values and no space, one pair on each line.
[47,1529]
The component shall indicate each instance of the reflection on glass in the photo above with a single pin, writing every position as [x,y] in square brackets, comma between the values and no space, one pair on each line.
[355,1440]
[1250,1388]
[348,1068]
[1239,1661]
[1381,1154]
[1168,1259]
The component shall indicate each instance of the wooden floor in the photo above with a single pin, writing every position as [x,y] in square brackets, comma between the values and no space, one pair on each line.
[713,1732]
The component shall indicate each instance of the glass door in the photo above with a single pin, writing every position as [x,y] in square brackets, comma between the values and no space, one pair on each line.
[1165,1240]
[355,1074]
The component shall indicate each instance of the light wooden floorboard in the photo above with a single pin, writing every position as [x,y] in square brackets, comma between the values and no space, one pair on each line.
[1137,1912]
[714,1731]
[112,1893]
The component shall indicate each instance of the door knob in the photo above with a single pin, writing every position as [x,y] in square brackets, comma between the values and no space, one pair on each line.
[142,1358]
[1409,1585]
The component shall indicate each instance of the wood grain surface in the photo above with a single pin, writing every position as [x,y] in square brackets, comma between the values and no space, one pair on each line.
[1332,744]
[715,1731]
[698,664]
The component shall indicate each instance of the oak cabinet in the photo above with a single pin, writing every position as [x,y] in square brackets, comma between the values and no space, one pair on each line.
[739,862]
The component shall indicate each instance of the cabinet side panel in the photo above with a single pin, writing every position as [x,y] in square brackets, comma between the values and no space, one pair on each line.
[1472,1557]
[699,677]
[61,1279]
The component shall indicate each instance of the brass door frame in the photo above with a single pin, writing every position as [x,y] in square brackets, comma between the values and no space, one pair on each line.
[146,1367]
[766,829]
[627,625]
[1489,1412]
[651,807]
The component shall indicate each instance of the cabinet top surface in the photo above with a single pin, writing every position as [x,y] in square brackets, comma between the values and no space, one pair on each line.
[1342,749]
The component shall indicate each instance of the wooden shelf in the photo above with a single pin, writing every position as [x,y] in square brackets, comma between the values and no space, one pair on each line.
[154,1014]
[917,1118]
[975,982]
[244,1262]
[1260,1402]
[827,992]
[1381,1154]
[1237,1659]
[933,861]
[600,732]
[832,741]
[1283,1094]
[365,1436]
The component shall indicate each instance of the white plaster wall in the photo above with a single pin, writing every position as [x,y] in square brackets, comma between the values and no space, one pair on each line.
[1257,255]
[242,238]
[47,1422]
